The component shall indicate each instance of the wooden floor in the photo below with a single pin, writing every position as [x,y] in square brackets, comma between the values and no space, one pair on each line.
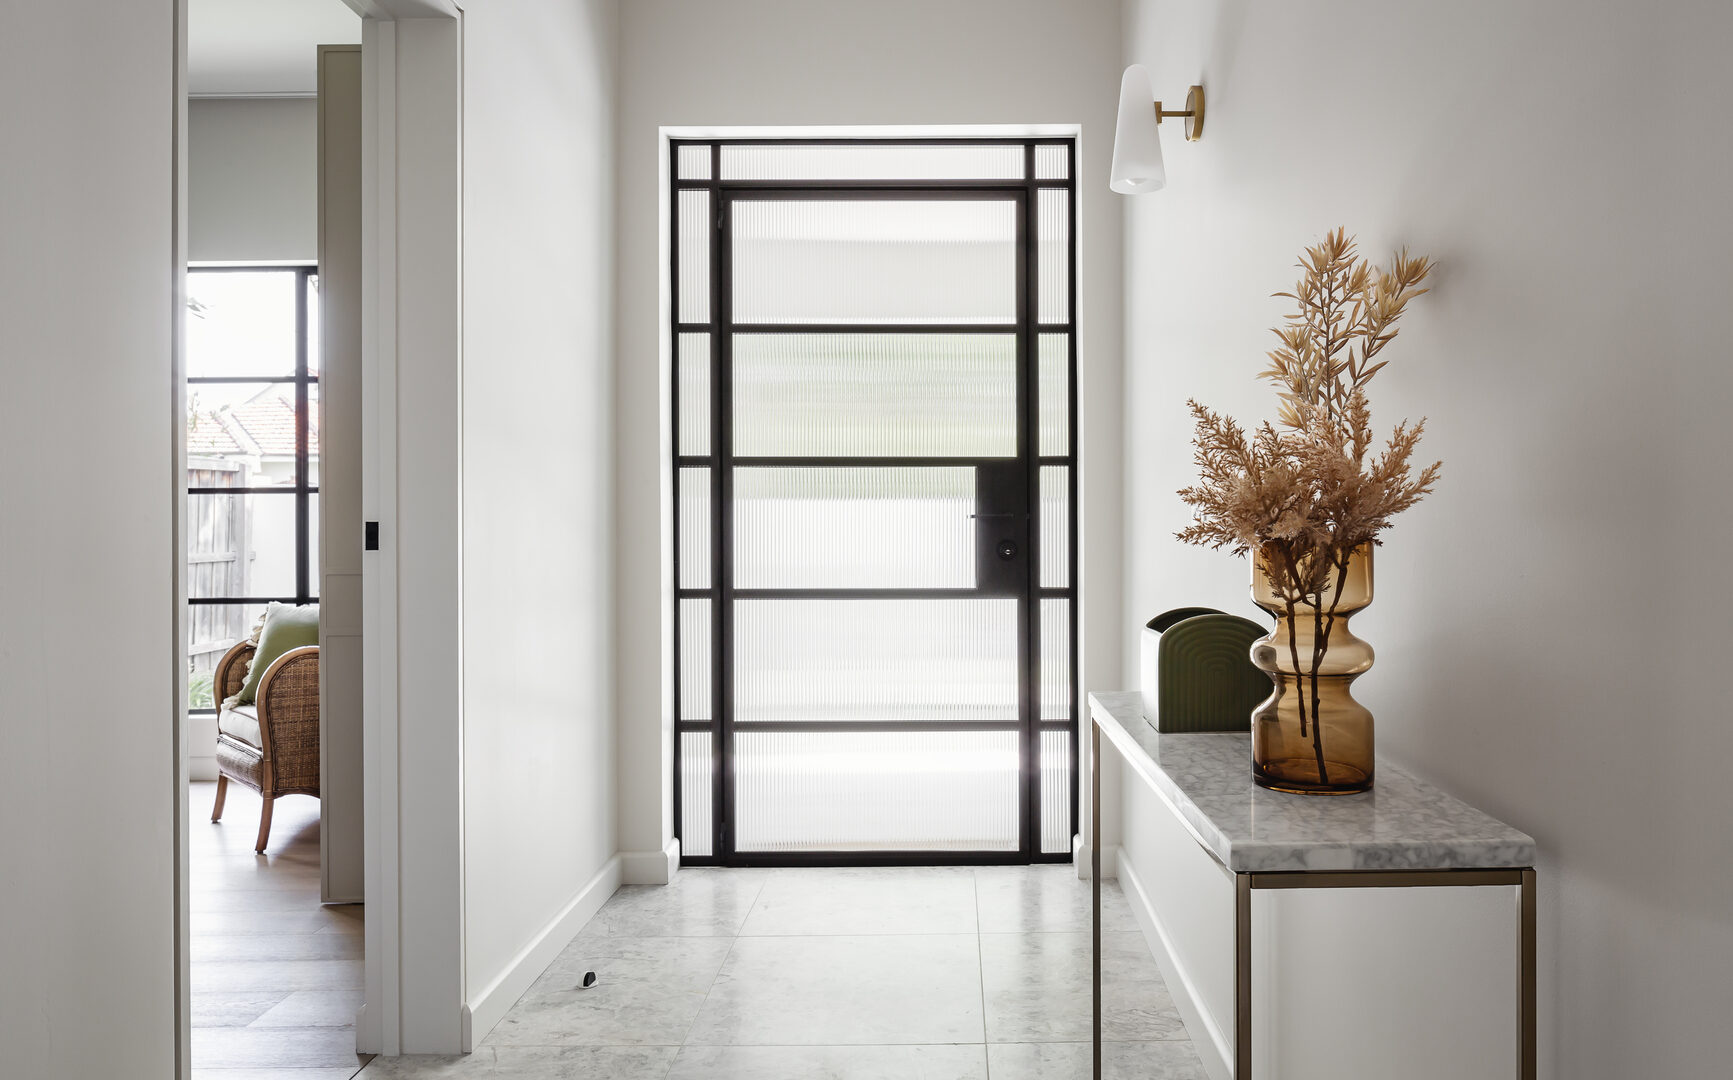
[276,976]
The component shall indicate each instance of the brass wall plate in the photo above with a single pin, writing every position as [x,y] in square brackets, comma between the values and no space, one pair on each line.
[1194,122]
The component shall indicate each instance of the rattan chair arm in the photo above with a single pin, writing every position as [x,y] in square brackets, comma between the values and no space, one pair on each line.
[288,704]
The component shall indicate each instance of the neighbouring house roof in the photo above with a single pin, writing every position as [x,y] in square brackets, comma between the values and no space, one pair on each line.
[263,425]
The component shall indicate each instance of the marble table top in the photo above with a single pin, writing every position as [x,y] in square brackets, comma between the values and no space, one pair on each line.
[1403,823]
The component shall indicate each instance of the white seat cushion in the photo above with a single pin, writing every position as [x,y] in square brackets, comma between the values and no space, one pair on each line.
[240,722]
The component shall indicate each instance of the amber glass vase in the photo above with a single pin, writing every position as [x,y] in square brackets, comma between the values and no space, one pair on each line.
[1311,737]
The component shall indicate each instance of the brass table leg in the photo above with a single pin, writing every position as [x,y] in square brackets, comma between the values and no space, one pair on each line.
[1242,976]
[1527,1066]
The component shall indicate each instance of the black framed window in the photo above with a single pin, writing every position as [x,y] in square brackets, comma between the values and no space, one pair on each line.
[252,450]
[875,483]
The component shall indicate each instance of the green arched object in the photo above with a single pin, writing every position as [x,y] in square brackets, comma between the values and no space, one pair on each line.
[1205,678]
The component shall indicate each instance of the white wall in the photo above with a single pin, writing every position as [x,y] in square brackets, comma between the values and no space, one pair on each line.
[829,62]
[252,179]
[538,743]
[87,542]
[1551,624]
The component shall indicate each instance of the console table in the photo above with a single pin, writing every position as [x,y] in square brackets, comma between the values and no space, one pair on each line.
[1404,833]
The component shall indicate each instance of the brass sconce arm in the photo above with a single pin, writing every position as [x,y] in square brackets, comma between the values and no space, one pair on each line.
[1193,114]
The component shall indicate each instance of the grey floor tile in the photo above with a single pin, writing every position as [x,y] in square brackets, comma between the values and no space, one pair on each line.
[817,991]
[234,1008]
[647,991]
[700,902]
[343,1072]
[313,1008]
[1038,989]
[952,1062]
[1032,899]
[805,903]
[531,1063]
[275,1048]
[1074,1061]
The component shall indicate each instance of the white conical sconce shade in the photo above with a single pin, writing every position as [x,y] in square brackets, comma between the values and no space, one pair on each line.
[1137,165]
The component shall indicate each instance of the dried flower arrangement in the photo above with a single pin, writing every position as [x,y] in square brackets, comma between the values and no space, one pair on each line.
[1308,495]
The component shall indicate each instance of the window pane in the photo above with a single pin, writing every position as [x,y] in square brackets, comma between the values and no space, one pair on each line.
[245,431]
[313,341]
[827,395]
[1056,696]
[694,528]
[1055,792]
[694,162]
[212,630]
[857,791]
[240,323]
[694,256]
[1055,526]
[1052,162]
[695,793]
[314,418]
[901,261]
[1053,268]
[241,545]
[784,162]
[695,660]
[880,660]
[694,372]
[1055,394]
[854,528]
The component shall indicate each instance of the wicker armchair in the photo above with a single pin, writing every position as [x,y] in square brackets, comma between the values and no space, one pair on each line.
[272,745]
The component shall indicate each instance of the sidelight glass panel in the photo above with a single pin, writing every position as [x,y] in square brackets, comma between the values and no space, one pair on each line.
[1052,162]
[1055,394]
[881,395]
[1055,792]
[866,162]
[882,660]
[694,250]
[1056,696]
[854,528]
[876,791]
[1055,526]
[694,388]
[695,528]
[694,162]
[883,261]
[696,689]
[241,323]
[695,794]
[1054,262]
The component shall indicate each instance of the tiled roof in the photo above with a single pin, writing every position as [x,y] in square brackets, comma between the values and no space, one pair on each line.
[266,421]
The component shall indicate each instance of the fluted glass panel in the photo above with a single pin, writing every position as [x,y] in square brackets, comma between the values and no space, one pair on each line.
[695,793]
[1055,792]
[882,395]
[854,528]
[694,528]
[866,262]
[886,660]
[834,162]
[1052,162]
[1055,526]
[696,689]
[876,791]
[694,256]
[694,394]
[1054,265]
[1055,394]
[695,162]
[1056,695]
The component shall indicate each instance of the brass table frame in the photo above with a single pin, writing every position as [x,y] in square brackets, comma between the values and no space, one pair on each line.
[1246,881]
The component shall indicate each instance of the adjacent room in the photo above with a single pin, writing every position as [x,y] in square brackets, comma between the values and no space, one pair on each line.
[932,539]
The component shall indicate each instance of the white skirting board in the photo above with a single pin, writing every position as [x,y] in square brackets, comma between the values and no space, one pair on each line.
[650,867]
[491,1005]
[1214,1046]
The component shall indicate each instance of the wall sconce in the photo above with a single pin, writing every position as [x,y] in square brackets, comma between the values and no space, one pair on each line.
[1137,164]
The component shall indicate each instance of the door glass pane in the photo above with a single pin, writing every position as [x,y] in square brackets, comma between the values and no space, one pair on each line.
[865,262]
[695,162]
[696,692]
[786,162]
[876,791]
[1055,792]
[694,372]
[1052,162]
[1055,526]
[695,794]
[1055,394]
[889,660]
[828,395]
[241,545]
[854,528]
[1054,207]
[1056,696]
[240,322]
[694,528]
[694,225]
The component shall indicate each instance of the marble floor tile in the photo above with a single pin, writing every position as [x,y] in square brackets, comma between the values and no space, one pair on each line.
[233,1008]
[701,902]
[791,991]
[217,975]
[276,1048]
[647,991]
[804,903]
[342,1072]
[1074,1061]
[1032,899]
[530,1063]
[313,1009]
[1038,989]
[952,1062]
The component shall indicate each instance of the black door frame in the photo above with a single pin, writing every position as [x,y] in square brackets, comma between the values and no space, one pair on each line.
[720,462]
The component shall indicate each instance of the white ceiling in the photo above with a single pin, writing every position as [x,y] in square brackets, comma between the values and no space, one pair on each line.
[247,47]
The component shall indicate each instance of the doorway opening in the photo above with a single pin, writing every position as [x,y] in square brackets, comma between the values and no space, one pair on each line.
[875,500]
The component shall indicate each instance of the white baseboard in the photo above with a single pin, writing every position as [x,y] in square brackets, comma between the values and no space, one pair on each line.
[1080,857]
[1215,1047]
[490,1006]
[201,768]
[650,867]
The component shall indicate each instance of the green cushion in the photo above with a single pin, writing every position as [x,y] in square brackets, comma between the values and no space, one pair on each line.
[286,627]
